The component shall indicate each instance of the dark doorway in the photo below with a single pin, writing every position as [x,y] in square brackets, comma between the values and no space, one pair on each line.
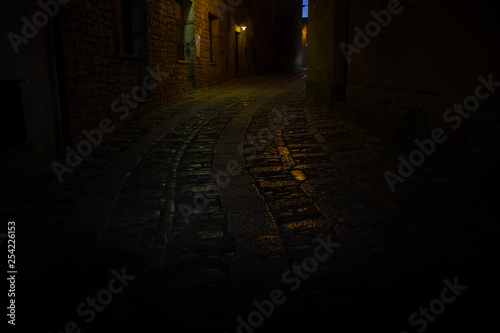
[13,127]
[237,50]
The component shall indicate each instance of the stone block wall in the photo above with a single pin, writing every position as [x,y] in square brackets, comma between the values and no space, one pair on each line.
[211,72]
[162,51]
[162,48]
[96,74]
[402,78]
[404,116]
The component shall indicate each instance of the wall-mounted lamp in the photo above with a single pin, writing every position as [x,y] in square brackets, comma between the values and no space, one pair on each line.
[243,27]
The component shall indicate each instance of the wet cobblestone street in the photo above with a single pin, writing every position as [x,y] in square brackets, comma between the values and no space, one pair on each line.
[212,198]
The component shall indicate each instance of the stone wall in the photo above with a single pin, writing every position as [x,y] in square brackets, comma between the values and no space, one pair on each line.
[215,71]
[162,51]
[96,74]
[162,47]
[402,77]
[404,116]
[326,70]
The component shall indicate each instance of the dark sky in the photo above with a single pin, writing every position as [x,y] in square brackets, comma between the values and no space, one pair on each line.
[305,9]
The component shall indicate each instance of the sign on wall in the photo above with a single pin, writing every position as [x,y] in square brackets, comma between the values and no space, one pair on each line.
[197,39]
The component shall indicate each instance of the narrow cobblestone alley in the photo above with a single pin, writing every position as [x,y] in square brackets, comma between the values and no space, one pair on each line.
[239,196]
[249,166]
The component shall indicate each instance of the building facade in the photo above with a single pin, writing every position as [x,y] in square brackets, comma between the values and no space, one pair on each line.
[406,69]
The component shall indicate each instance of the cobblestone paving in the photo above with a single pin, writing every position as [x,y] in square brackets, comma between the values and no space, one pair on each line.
[204,244]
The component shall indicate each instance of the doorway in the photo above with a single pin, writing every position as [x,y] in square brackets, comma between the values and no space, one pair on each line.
[237,50]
